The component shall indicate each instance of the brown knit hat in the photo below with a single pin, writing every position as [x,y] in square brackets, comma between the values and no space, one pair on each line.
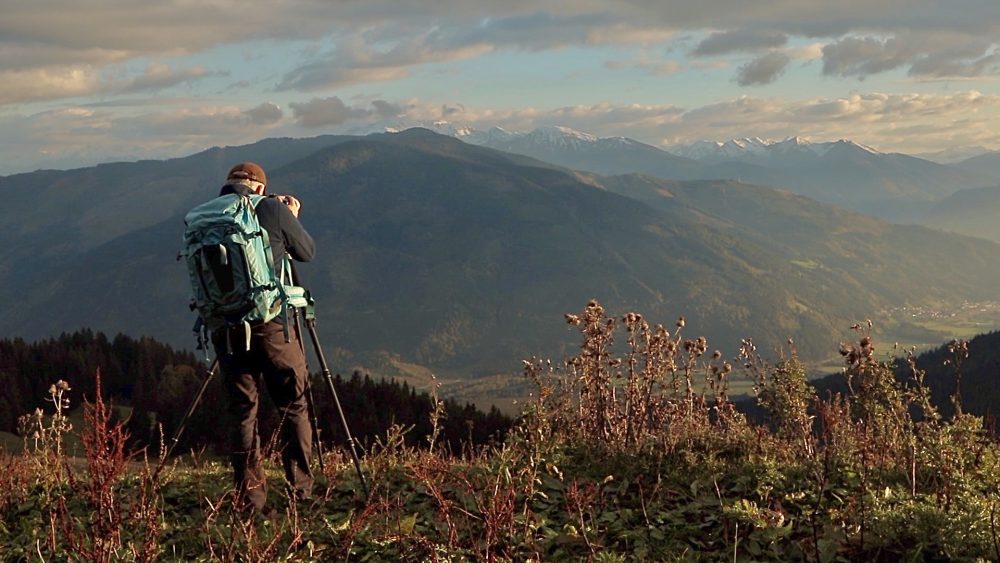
[248,171]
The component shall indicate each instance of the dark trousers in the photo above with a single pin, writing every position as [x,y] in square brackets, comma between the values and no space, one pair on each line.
[282,367]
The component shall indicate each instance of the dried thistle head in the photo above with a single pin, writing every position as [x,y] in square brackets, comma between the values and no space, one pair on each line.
[867,347]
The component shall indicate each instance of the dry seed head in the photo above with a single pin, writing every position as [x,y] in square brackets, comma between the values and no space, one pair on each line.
[680,322]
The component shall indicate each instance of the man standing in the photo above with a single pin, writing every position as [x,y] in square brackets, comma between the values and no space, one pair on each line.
[271,353]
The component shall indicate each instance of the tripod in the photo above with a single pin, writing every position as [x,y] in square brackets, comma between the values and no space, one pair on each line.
[310,316]
[311,326]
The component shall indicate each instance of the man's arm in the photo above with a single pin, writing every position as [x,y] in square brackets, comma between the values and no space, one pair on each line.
[298,242]
[288,234]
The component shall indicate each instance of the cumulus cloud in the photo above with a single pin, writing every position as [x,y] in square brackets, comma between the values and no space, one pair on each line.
[910,123]
[762,70]
[386,109]
[77,136]
[877,119]
[47,84]
[264,114]
[323,112]
[720,43]
[885,121]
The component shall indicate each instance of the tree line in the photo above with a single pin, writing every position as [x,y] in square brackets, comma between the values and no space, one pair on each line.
[159,382]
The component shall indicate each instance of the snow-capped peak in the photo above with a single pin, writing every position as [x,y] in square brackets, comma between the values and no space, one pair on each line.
[560,134]
[865,148]
[755,146]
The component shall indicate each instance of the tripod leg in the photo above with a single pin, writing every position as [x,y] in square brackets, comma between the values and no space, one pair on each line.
[313,417]
[311,325]
[175,439]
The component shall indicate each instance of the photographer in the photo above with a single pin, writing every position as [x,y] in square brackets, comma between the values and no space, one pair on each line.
[270,352]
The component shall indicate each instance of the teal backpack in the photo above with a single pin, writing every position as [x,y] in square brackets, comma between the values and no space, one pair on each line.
[233,277]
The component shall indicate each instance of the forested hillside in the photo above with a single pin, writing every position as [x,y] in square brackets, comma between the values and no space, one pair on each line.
[159,382]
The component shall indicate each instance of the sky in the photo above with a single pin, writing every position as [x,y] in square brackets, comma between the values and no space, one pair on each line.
[90,81]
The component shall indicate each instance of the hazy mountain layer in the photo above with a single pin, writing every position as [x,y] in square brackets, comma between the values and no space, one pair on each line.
[973,212]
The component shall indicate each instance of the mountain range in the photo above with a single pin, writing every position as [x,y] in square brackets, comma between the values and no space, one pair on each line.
[891,186]
[464,258]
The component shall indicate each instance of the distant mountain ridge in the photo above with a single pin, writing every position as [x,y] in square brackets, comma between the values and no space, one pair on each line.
[755,147]
[988,164]
[844,173]
[972,212]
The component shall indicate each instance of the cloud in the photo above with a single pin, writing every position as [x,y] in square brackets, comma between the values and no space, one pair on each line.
[911,123]
[656,68]
[160,76]
[941,65]
[388,52]
[264,114]
[71,82]
[931,55]
[861,56]
[355,61]
[762,70]
[552,29]
[820,19]
[47,84]
[386,109]
[877,119]
[724,42]
[383,40]
[325,112]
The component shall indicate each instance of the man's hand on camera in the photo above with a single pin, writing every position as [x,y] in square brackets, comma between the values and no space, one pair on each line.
[292,203]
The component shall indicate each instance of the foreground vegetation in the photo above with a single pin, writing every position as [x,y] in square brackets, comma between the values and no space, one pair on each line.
[620,457]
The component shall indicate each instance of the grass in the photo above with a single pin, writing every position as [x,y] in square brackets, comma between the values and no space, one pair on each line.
[619,457]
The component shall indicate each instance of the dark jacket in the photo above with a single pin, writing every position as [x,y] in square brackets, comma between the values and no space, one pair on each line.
[283,229]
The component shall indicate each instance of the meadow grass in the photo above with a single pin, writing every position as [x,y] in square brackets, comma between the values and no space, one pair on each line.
[629,451]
